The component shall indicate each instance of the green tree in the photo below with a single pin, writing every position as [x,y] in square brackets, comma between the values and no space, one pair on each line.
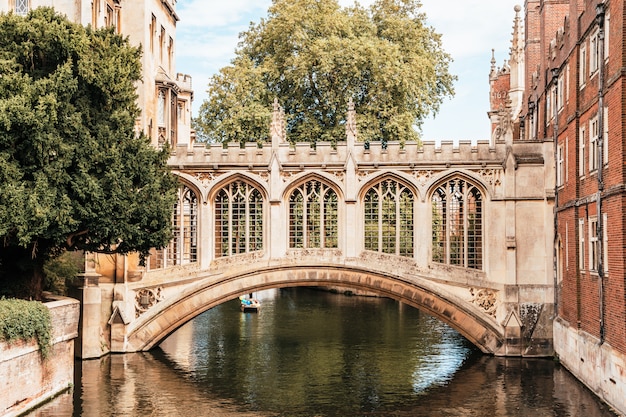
[314,56]
[73,173]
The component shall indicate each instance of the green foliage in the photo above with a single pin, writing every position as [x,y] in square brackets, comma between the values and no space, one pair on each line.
[314,56]
[60,271]
[25,320]
[73,174]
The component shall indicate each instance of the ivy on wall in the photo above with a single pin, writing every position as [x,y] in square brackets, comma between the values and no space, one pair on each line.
[25,320]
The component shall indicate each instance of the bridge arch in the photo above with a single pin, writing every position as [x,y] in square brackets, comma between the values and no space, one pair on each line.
[166,317]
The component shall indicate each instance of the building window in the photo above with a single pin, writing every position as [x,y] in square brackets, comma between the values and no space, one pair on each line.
[457,235]
[161,108]
[238,220]
[593,245]
[560,92]
[560,165]
[161,43]
[605,136]
[567,80]
[581,244]
[583,65]
[21,7]
[605,242]
[549,99]
[170,53]
[594,53]
[581,160]
[153,27]
[183,248]
[607,32]
[593,144]
[389,218]
[313,216]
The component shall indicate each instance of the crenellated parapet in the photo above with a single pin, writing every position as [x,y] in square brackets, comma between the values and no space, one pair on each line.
[323,153]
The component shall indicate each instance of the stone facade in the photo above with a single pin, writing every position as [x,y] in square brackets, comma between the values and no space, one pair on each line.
[164,96]
[574,100]
[26,379]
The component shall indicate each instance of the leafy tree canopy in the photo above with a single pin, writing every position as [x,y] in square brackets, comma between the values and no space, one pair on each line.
[313,56]
[73,173]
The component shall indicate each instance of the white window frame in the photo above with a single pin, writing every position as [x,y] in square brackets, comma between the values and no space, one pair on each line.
[607,31]
[593,244]
[581,160]
[560,165]
[583,65]
[567,75]
[560,93]
[594,53]
[605,136]
[593,144]
[605,243]
[581,244]
[22,7]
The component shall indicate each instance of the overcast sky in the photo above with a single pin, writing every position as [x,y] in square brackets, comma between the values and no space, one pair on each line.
[207,36]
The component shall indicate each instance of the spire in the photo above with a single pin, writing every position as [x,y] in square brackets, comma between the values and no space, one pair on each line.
[351,131]
[277,128]
[517,42]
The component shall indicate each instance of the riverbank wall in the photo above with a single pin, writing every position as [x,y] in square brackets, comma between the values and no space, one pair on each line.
[26,378]
[597,365]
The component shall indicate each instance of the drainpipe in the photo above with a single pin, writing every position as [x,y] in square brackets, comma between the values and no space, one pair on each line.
[555,78]
[600,158]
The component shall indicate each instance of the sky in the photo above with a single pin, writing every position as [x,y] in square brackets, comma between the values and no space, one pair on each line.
[208,33]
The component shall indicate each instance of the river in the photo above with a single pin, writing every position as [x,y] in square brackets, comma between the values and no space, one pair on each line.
[313,353]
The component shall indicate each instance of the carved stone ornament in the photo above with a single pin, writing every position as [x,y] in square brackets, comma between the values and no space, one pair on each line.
[205,178]
[491,176]
[485,299]
[146,298]
[423,176]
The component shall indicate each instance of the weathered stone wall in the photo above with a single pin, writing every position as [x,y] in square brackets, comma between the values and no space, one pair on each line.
[26,379]
[599,366]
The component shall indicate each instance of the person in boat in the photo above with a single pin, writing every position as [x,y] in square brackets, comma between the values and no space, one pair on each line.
[245,301]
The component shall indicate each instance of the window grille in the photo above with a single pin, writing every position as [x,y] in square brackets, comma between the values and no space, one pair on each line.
[21,7]
[457,226]
[183,248]
[238,219]
[313,216]
[389,219]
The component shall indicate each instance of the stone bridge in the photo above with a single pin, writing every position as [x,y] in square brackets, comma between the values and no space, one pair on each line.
[463,232]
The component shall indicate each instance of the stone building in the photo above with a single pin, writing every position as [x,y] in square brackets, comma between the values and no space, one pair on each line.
[164,95]
[571,55]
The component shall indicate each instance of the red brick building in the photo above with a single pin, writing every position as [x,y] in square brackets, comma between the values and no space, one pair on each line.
[573,58]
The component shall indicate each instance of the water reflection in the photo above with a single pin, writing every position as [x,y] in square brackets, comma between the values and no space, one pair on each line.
[316,354]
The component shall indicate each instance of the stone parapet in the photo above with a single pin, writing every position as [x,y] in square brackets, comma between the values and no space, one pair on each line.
[26,379]
[410,154]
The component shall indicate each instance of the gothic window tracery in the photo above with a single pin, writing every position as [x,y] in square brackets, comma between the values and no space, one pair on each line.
[183,249]
[313,216]
[389,223]
[457,233]
[238,219]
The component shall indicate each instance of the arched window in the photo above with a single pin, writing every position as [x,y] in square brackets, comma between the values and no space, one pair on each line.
[389,218]
[313,216]
[457,208]
[238,219]
[183,248]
